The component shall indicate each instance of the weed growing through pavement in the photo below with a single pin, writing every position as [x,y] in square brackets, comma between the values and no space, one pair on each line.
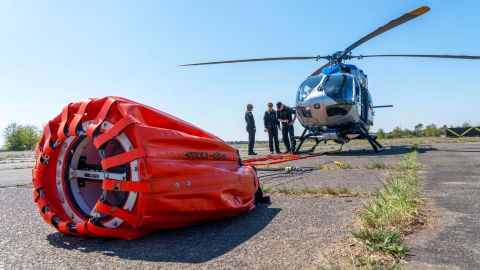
[266,188]
[379,166]
[321,167]
[386,216]
[342,165]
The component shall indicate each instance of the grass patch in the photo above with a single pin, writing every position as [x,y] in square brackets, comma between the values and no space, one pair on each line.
[266,188]
[392,206]
[383,241]
[321,167]
[387,215]
[286,191]
[342,165]
[310,191]
[379,166]
[390,213]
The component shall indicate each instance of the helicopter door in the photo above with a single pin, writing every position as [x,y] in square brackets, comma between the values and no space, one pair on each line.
[364,103]
[358,98]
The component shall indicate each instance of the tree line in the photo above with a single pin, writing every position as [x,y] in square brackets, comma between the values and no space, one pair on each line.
[418,131]
[25,137]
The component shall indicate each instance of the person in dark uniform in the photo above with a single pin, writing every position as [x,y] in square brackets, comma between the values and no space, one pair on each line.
[284,115]
[250,129]
[271,124]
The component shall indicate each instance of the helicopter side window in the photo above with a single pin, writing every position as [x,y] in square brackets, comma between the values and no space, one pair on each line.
[357,91]
[339,87]
[307,87]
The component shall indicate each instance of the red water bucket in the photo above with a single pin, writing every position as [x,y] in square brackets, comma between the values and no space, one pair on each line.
[111,167]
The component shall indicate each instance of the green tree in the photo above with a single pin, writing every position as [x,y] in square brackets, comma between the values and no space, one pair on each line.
[417,131]
[396,133]
[466,124]
[407,133]
[380,134]
[19,138]
[431,131]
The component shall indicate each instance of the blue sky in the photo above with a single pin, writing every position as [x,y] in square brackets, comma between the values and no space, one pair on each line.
[54,52]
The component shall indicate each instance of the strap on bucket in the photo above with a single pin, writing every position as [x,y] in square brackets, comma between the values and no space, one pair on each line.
[77,118]
[102,114]
[123,158]
[113,131]
[127,216]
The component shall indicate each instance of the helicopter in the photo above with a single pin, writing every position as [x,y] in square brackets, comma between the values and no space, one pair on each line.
[334,102]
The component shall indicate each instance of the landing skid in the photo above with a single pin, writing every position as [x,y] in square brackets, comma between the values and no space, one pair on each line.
[310,136]
[364,134]
[377,147]
[303,137]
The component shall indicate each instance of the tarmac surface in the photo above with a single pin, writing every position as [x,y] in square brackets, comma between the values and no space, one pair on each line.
[294,232]
[451,184]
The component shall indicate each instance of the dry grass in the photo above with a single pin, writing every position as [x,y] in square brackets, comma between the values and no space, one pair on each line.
[310,191]
[343,165]
[379,166]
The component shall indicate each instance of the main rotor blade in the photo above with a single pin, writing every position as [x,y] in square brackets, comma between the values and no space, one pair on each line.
[319,70]
[394,23]
[257,60]
[471,57]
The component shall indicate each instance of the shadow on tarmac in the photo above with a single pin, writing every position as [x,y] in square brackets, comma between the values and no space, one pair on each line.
[195,244]
[389,150]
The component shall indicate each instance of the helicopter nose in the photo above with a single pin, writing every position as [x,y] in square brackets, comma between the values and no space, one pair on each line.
[338,113]
[305,112]
[338,109]
[311,111]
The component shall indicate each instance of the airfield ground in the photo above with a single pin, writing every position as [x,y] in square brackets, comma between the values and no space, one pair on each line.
[296,231]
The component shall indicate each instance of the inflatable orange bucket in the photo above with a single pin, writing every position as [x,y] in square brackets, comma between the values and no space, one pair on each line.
[111,167]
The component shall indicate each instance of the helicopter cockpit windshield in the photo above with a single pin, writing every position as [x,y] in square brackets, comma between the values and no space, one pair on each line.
[307,86]
[338,87]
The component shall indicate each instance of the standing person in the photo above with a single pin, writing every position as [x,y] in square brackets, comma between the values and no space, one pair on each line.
[284,115]
[271,124]
[250,129]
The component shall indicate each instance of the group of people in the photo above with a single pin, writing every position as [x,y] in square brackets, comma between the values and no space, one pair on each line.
[273,120]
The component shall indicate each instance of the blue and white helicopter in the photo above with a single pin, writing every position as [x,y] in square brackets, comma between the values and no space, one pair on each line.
[334,102]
